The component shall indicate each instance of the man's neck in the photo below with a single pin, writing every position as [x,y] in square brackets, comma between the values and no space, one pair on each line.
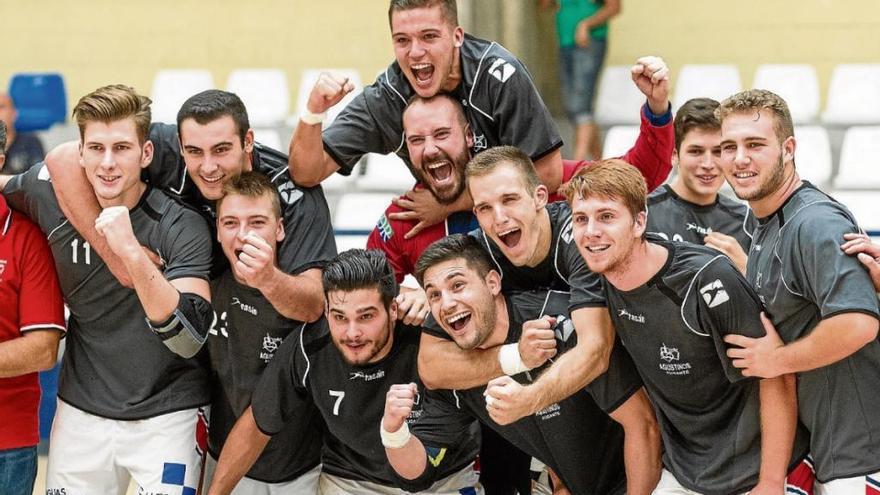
[769,204]
[689,195]
[645,261]
[545,239]
[502,324]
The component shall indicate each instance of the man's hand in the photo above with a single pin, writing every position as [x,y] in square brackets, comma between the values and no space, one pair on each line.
[115,225]
[507,400]
[412,306]
[423,207]
[328,91]
[256,262]
[729,246]
[756,357]
[651,76]
[867,252]
[398,405]
[582,34]
[537,343]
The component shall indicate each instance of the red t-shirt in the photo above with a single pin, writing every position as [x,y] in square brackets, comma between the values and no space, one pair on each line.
[30,299]
[651,154]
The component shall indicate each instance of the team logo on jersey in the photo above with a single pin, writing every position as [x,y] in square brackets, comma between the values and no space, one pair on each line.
[384,228]
[669,355]
[2,269]
[247,308]
[501,69]
[289,193]
[480,142]
[714,294]
[623,313]
[435,455]
[549,412]
[270,345]
[367,377]
[700,230]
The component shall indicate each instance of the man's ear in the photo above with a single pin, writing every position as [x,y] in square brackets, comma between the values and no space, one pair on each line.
[542,195]
[458,36]
[147,156]
[788,148]
[392,310]
[641,223]
[493,281]
[279,233]
[249,141]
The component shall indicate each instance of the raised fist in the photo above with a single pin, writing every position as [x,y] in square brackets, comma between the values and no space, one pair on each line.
[328,91]
[398,405]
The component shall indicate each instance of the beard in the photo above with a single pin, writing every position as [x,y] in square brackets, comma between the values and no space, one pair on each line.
[484,324]
[447,195]
[773,183]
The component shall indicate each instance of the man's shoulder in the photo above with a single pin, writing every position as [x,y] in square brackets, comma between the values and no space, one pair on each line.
[315,341]
[732,206]
[659,195]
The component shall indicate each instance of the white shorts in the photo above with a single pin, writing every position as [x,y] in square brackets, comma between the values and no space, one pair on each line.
[799,481]
[465,481]
[307,483]
[89,454]
[860,485]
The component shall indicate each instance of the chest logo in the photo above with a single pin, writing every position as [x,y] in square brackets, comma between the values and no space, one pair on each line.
[480,142]
[700,230]
[270,345]
[671,365]
[714,294]
[669,354]
[501,69]
[623,313]
[367,377]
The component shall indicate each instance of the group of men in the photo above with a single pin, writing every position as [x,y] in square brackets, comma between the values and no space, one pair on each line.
[578,327]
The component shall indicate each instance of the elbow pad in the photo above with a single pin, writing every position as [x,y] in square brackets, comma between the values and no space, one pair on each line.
[186,330]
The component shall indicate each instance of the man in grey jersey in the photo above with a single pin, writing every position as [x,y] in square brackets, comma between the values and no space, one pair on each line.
[690,208]
[821,305]
[671,304]
[130,389]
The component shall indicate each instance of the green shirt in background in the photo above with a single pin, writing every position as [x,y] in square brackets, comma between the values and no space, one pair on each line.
[570,13]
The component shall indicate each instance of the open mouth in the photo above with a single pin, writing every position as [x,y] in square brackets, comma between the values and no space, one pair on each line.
[238,254]
[707,179]
[459,321]
[745,175]
[598,248]
[510,237]
[212,180]
[422,73]
[440,171]
[109,179]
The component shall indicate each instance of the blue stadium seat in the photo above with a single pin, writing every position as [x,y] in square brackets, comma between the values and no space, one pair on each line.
[40,100]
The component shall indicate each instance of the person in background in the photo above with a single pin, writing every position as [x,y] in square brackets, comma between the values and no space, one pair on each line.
[24,149]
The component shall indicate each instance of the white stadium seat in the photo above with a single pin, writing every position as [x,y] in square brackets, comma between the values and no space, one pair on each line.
[172,87]
[307,82]
[853,95]
[264,92]
[386,173]
[360,211]
[706,81]
[797,84]
[346,242]
[863,205]
[270,138]
[858,159]
[618,100]
[342,183]
[813,154]
[619,139]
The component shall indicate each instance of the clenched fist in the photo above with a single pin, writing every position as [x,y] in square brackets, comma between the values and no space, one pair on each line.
[115,225]
[399,402]
[538,341]
[328,91]
[651,75]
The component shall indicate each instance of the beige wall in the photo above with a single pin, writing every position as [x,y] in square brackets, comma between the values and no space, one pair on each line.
[95,42]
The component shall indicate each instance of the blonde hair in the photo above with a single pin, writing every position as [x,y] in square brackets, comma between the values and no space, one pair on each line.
[755,100]
[113,103]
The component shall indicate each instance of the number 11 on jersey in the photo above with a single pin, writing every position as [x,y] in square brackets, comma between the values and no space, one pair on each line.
[87,252]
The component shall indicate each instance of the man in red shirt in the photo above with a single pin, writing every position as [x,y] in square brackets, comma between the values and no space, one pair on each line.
[31,324]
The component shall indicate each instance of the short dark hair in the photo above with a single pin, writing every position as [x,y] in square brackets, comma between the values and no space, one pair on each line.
[448,7]
[487,161]
[2,137]
[251,184]
[361,269]
[453,247]
[698,113]
[212,104]
[415,99]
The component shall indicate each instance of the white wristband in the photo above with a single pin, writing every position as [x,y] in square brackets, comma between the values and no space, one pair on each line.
[396,439]
[312,118]
[511,361]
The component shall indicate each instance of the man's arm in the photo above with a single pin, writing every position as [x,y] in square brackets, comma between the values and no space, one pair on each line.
[730,247]
[36,350]
[641,443]
[72,188]
[309,164]
[610,8]
[405,452]
[868,253]
[778,424]
[549,169]
[298,297]
[243,446]
[833,339]
[443,365]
